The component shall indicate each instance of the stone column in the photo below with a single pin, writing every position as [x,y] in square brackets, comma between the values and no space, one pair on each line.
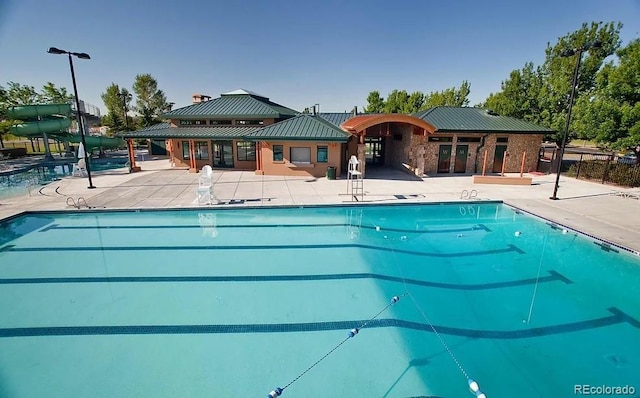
[419,171]
[361,158]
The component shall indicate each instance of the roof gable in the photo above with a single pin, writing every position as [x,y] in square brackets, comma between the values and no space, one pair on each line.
[448,118]
[303,127]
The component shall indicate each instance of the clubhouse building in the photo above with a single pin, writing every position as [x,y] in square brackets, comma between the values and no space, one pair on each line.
[243,130]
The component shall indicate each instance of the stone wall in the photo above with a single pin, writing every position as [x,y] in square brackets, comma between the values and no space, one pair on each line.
[516,144]
[398,152]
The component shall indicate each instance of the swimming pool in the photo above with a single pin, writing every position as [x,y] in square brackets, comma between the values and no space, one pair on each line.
[237,302]
[28,182]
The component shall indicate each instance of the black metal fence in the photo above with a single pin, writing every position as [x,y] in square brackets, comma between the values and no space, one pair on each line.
[592,165]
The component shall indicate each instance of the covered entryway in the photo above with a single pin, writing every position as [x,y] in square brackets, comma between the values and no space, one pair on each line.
[388,140]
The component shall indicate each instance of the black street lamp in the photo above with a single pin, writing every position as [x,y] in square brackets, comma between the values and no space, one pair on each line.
[53,50]
[574,83]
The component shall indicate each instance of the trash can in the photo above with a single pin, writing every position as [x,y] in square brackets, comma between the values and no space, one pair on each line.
[331,173]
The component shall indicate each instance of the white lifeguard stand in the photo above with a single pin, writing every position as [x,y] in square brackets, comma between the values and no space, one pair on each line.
[204,192]
[355,182]
[79,169]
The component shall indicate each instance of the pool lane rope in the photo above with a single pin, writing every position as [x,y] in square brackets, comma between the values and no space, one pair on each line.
[535,287]
[352,333]
[474,387]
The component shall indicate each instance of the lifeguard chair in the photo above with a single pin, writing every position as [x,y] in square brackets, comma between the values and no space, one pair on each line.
[355,182]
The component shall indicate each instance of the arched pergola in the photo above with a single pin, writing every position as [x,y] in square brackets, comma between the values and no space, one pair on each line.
[358,125]
[365,125]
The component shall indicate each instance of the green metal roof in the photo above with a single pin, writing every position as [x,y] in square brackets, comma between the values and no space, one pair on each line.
[158,126]
[233,106]
[336,118]
[303,127]
[447,118]
[209,132]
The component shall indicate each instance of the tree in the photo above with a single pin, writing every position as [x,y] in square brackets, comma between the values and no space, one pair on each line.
[150,101]
[5,125]
[399,101]
[449,97]
[519,95]
[18,94]
[15,94]
[50,94]
[396,102]
[375,103]
[117,100]
[557,72]
[541,94]
[415,102]
[611,115]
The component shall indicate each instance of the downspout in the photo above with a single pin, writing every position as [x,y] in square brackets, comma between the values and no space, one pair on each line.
[475,164]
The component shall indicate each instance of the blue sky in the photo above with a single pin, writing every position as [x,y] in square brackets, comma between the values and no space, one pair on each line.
[298,53]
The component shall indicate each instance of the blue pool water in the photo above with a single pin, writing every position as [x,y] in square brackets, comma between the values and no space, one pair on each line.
[30,181]
[234,303]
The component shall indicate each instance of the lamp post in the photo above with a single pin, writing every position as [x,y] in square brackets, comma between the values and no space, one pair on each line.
[53,50]
[574,82]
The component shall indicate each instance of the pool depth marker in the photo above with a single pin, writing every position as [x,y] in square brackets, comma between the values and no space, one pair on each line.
[352,333]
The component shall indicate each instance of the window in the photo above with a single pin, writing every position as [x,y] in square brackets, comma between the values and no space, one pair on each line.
[220,122]
[502,140]
[202,150]
[193,122]
[278,153]
[322,154]
[246,150]
[249,122]
[468,139]
[185,150]
[300,155]
[440,139]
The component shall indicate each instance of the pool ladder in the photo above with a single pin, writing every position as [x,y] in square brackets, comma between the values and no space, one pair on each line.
[473,194]
[78,203]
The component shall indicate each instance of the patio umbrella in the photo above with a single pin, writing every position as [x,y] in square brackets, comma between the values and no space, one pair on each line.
[81,151]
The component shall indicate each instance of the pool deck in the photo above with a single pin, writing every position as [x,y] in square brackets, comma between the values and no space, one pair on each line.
[604,211]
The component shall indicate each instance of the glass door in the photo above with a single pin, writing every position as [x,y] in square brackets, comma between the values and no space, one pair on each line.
[374,150]
[222,153]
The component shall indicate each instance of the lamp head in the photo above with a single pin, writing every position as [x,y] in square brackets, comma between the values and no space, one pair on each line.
[568,53]
[53,50]
[82,55]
